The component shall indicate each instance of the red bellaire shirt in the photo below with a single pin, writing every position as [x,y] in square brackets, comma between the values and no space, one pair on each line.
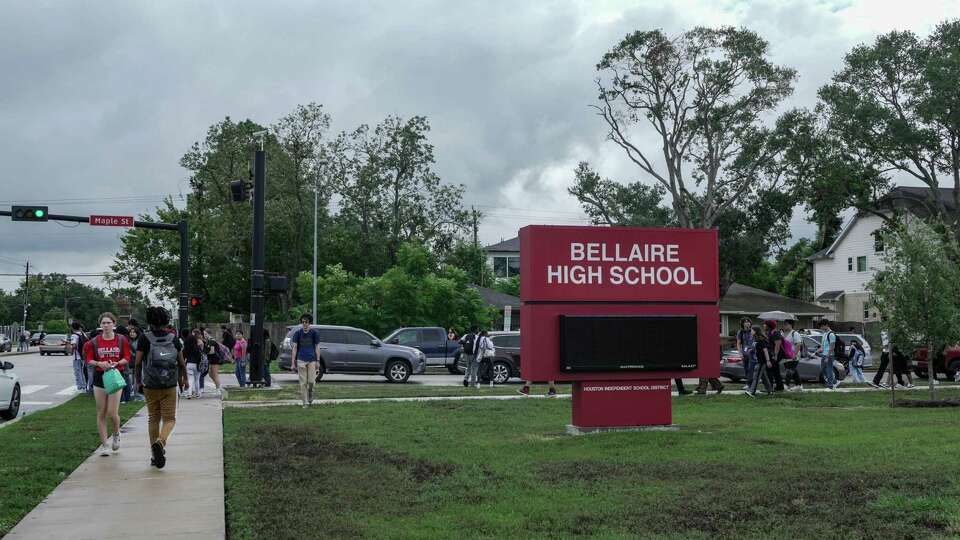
[108,350]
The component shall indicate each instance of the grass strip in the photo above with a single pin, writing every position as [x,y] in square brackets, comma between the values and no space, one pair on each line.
[791,466]
[40,450]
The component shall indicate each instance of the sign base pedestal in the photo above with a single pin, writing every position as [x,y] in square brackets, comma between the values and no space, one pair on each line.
[602,405]
[574,430]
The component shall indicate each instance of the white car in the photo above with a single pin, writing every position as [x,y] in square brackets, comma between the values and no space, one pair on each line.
[9,392]
[5,344]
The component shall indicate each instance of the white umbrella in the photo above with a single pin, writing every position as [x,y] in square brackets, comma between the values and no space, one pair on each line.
[776,316]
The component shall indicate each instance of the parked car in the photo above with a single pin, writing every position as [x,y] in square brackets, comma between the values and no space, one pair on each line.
[848,340]
[9,392]
[947,363]
[54,343]
[506,359]
[731,364]
[344,349]
[5,344]
[432,340]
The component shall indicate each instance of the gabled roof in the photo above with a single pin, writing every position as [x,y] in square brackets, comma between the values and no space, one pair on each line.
[751,301]
[910,198]
[829,296]
[496,298]
[512,244]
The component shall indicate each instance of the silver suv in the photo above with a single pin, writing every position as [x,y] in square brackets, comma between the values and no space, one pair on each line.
[344,349]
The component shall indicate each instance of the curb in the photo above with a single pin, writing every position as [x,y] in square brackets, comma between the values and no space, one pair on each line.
[345,401]
[17,353]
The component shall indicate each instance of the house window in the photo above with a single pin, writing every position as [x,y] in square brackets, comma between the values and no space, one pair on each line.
[849,264]
[506,267]
[866,310]
[862,264]
[877,242]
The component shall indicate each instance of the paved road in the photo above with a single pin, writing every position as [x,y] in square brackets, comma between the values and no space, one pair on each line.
[45,381]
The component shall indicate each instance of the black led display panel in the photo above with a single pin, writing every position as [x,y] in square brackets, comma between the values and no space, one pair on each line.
[627,343]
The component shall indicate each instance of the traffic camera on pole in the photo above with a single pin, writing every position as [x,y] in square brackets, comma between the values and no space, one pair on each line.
[29,213]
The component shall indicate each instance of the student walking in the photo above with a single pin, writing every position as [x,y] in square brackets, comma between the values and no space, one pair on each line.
[900,368]
[485,352]
[681,391]
[745,346]
[306,351]
[877,381]
[106,351]
[240,358]
[272,353]
[551,393]
[775,341]
[793,352]
[468,342]
[857,355]
[764,361]
[827,343]
[161,369]
[77,340]
[213,360]
[193,356]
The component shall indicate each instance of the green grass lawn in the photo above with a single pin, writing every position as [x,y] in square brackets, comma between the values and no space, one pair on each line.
[378,390]
[42,449]
[795,466]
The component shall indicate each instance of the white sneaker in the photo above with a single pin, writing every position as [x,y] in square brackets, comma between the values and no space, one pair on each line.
[116,442]
[491,384]
[103,450]
[746,387]
[477,386]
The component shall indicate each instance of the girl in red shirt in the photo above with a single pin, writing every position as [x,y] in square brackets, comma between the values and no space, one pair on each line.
[108,350]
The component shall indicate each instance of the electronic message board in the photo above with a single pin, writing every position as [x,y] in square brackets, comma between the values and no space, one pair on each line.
[627,343]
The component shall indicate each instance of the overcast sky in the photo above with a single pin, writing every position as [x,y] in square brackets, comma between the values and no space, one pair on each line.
[100,100]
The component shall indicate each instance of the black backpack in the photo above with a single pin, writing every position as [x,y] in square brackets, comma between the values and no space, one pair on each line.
[469,342]
[81,341]
[160,364]
[839,349]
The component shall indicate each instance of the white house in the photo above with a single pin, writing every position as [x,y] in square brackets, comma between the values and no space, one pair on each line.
[842,271]
[504,258]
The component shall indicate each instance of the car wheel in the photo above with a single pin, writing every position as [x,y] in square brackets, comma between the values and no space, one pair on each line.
[501,372]
[320,371]
[397,371]
[454,368]
[14,407]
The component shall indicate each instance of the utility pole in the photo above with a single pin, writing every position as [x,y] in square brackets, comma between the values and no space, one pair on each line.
[476,244]
[258,279]
[26,287]
[316,196]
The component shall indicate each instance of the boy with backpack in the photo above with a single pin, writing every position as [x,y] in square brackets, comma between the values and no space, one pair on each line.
[775,338]
[161,369]
[792,347]
[468,342]
[828,345]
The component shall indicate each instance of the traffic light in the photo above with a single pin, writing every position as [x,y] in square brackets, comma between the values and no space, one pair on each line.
[239,190]
[29,213]
[195,301]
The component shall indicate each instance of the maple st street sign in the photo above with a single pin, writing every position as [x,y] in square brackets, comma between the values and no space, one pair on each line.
[112,221]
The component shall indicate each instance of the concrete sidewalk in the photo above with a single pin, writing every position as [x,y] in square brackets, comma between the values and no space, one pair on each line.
[123,496]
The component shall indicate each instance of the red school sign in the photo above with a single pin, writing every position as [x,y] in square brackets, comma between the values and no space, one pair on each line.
[619,311]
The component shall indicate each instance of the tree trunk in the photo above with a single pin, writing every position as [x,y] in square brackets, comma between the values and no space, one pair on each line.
[931,370]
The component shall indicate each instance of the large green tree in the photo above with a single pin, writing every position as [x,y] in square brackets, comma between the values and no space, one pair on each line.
[702,95]
[894,107]
[415,292]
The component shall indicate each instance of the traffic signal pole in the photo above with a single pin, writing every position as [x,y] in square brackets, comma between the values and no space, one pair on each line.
[258,278]
[180,227]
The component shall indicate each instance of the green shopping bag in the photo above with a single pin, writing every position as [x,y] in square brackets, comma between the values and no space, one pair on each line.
[113,381]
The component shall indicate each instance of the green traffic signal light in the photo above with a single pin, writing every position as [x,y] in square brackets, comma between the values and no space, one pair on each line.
[39,213]
[29,213]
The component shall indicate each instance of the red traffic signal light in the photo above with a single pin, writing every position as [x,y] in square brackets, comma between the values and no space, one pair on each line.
[195,301]
[28,213]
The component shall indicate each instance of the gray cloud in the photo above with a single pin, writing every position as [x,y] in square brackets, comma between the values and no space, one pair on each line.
[101,100]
